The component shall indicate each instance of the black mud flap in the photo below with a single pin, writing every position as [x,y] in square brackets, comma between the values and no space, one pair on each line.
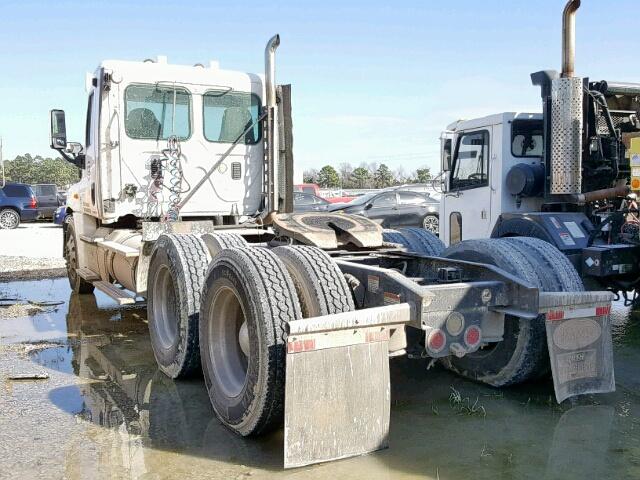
[579,339]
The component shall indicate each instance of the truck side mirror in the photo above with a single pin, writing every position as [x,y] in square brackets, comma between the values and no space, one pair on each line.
[58,130]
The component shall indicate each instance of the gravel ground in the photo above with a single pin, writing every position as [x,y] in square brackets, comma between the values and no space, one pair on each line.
[31,251]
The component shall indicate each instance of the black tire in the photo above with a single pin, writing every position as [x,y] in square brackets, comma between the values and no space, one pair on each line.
[394,236]
[177,270]
[522,354]
[216,242]
[246,288]
[76,282]
[566,277]
[424,242]
[9,219]
[407,241]
[320,285]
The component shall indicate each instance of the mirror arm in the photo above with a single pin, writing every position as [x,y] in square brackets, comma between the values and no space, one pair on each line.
[77,160]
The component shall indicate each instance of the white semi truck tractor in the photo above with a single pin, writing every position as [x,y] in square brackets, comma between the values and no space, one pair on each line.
[568,176]
[185,201]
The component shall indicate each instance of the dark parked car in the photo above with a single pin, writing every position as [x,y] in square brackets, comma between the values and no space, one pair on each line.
[308,202]
[48,201]
[17,204]
[395,208]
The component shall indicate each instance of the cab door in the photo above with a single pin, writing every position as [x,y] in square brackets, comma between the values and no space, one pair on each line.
[467,204]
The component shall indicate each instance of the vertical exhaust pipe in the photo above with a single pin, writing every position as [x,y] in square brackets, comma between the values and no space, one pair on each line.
[569,38]
[270,70]
[272,164]
[566,115]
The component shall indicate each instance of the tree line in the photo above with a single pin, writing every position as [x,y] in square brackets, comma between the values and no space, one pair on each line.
[32,170]
[365,176]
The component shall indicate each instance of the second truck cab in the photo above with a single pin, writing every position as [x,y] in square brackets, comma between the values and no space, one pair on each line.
[478,157]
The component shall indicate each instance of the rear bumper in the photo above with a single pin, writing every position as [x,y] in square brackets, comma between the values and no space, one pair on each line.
[28,215]
[46,212]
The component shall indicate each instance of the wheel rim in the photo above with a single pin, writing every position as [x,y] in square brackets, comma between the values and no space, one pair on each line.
[9,219]
[431,223]
[229,348]
[165,319]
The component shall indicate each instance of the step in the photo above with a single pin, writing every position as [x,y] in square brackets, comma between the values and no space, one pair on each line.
[88,274]
[90,239]
[119,295]
[119,248]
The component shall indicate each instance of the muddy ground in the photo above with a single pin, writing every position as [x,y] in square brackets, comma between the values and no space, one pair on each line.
[106,412]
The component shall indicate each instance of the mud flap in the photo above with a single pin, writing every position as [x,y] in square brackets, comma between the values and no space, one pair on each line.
[579,339]
[337,395]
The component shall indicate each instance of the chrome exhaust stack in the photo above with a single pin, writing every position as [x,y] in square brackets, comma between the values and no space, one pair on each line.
[569,38]
[270,70]
[272,167]
[567,115]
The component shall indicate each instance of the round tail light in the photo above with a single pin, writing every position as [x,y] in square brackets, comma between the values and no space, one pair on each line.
[436,341]
[472,336]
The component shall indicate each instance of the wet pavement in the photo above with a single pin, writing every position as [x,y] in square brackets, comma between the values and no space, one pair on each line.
[106,411]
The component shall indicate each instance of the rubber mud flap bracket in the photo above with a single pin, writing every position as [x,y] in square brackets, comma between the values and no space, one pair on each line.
[580,345]
[337,394]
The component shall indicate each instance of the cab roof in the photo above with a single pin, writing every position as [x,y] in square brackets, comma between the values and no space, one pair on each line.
[494,119]
[197,77]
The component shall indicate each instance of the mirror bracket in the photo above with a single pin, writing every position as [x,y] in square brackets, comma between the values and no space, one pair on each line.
[70,151]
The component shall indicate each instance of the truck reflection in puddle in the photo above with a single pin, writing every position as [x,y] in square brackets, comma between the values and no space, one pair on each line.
[138,406]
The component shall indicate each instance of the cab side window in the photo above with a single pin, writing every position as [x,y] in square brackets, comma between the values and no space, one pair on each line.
[87,131]
[471,161]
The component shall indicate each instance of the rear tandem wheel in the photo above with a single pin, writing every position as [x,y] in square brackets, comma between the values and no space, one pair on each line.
[249,296]
[522,354]
[247,300]
[176,273]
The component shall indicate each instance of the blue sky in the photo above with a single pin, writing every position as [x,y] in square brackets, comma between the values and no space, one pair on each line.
[372,81]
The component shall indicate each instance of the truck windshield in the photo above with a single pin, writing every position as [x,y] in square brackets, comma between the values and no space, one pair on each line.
[227,114]
[526,138]
[149,112]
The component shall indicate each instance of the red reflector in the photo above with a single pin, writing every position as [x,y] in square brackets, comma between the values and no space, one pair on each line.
[602,311]
[298,346]
[555,315]
[436,341]
[472,336]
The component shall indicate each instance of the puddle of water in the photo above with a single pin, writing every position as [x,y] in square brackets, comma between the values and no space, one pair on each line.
[140,424]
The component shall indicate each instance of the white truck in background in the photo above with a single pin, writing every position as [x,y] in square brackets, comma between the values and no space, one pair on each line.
[184,200]
[568,176]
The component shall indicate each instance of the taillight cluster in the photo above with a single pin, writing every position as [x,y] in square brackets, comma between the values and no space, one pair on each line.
[437,341]
[34,203]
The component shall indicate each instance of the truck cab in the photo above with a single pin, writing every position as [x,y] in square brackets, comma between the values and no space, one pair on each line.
[135,108]
[477,157]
